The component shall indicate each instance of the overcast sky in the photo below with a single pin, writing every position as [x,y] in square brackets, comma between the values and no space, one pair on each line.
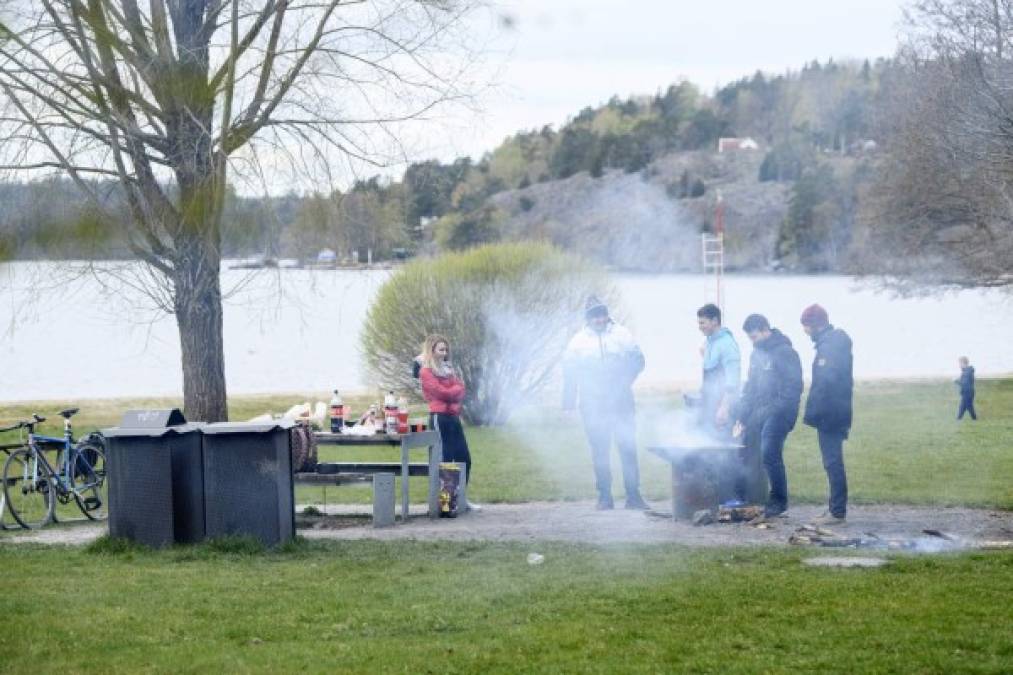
[555,57]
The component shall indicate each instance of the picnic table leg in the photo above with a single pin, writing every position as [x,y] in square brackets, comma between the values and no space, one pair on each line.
[435,457]
[383,499]
[404,480]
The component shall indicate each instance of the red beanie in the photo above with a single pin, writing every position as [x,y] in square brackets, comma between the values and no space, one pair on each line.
[815,316]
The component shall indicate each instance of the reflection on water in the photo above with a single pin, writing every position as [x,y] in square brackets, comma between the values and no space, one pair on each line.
[298,330]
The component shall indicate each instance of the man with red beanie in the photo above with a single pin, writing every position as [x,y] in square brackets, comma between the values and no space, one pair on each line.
[828,406]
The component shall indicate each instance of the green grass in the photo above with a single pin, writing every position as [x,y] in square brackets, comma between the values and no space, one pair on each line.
[906,447]
[429,607]
[467,607]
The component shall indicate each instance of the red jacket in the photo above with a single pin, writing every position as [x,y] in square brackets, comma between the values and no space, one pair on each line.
[444,394]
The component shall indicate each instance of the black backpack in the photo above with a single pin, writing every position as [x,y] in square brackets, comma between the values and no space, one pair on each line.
[84,461]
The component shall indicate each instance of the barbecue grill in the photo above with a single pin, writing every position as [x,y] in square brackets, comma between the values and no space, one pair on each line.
[703,476]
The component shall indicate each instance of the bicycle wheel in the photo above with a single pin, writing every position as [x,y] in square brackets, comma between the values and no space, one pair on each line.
[88,480]
[28,489]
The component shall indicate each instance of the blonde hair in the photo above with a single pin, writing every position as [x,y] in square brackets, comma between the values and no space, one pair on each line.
[429,359]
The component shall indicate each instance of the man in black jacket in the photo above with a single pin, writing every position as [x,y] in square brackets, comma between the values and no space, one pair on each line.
[828,407]
[768,408]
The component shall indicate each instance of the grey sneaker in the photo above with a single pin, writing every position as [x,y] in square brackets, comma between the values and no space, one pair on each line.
[828,518]
[472,506]
[636,503]
[605,504]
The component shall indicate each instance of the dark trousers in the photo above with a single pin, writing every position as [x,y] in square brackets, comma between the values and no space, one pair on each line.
[966,405]
[768,442]
[772,437]
[600,428]
[455,445]
[832,449]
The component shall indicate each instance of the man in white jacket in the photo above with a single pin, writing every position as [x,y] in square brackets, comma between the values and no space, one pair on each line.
[599,367]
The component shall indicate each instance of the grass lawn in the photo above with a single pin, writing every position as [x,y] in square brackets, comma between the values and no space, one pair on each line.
[906,447]
[427,607]
[480,607]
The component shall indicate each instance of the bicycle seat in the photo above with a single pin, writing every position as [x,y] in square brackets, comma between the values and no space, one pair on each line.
[69,412]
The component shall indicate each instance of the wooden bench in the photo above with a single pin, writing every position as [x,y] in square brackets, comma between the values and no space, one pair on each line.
[382,481]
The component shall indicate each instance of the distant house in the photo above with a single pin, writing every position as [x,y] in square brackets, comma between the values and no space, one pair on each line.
[326,256]
[731,144]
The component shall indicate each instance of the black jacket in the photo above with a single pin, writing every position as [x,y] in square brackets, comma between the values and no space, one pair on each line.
[828,406]
[774,387]
[966,381]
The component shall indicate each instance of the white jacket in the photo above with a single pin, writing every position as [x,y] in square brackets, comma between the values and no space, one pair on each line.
[599,368]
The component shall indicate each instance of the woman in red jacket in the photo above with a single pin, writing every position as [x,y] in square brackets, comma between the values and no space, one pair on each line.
[444,391]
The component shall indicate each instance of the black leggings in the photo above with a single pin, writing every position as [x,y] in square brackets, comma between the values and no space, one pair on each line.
[455,445]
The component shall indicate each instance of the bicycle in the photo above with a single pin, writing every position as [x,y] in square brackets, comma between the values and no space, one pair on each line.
[32,486]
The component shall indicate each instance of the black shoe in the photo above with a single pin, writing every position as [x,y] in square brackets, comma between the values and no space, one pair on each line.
[774,512]
[605,504]
[636,503]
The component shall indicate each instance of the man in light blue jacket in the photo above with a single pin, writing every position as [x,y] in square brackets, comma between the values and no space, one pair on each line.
[722,372]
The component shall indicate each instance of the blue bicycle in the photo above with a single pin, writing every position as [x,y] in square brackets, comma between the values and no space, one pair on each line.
[32,485]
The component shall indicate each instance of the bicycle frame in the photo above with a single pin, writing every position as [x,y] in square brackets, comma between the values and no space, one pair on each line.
[60,473]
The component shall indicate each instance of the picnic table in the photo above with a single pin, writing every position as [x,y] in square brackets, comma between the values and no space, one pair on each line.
[339,472]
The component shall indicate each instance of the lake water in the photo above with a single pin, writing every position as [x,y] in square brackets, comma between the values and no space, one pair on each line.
[297,330]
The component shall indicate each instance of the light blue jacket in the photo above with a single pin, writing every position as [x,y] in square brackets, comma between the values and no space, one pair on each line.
[723,352]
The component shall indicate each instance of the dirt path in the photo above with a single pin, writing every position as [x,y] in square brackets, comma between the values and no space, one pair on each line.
[580,522]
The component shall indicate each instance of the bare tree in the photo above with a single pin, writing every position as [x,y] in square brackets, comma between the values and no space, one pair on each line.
[172,98]
[944,209]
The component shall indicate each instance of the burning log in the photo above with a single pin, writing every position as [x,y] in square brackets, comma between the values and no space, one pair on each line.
[739,514]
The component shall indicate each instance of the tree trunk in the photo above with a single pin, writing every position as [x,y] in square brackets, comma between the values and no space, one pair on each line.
[199,317]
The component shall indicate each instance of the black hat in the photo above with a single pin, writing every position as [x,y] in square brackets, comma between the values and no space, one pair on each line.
[594,307]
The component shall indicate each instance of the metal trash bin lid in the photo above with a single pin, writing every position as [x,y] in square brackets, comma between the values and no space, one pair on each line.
[153,432]
[246,427]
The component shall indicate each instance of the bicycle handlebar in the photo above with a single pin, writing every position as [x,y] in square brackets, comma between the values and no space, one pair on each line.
[36,419]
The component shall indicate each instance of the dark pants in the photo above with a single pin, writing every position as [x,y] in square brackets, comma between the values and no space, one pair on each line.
[832,449]
[772,437]
[966,405]
[600,428]
[768,441]
[455,445]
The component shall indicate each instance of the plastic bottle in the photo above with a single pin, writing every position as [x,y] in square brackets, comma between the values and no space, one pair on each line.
[390,413]
[402,415]
[337,413]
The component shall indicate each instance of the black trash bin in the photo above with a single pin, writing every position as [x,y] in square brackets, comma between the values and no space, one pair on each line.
[156,485]
[248,480]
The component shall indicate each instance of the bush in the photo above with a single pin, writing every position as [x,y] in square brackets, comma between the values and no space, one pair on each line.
[507,309]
